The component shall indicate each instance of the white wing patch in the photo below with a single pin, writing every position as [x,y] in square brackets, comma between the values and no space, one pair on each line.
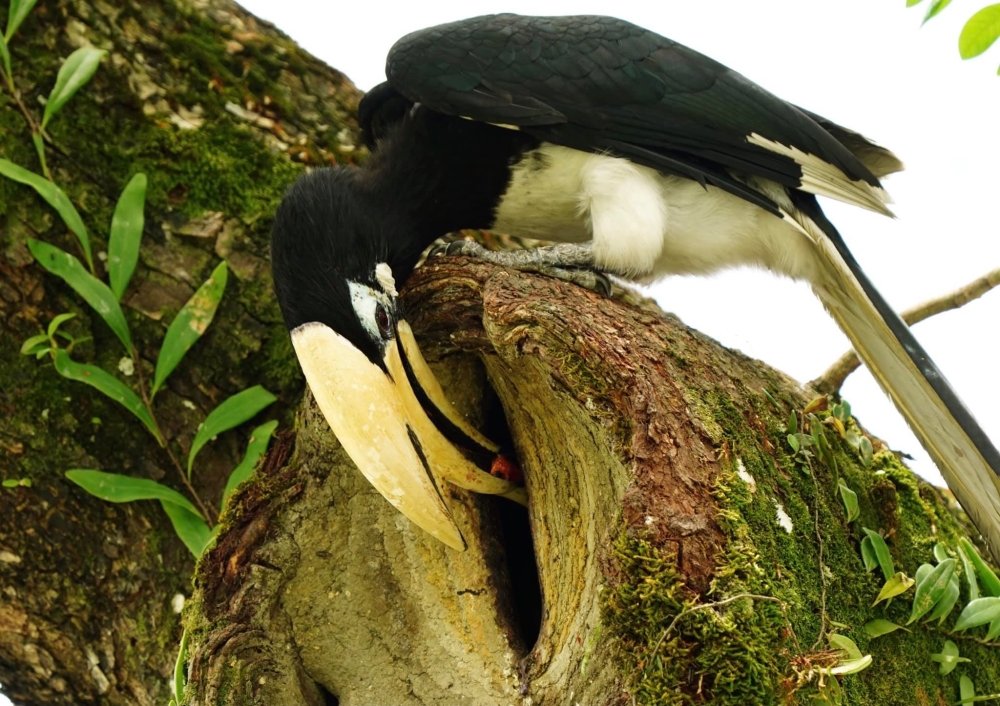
[824,179]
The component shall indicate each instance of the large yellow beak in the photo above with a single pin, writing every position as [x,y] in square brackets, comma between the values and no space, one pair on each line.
[382,425]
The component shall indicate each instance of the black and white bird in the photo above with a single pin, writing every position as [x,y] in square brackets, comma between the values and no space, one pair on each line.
[641,158]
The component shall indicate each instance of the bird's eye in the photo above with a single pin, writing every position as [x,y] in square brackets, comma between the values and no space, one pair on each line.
[383,321]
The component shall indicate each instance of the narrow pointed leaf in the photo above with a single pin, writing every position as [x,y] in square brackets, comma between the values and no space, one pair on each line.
[852,667]
[5,56]
[190,527]
[842,642]
[74,74]
[911,3]
[970,574]
[189,324]
[868,555]
[931,588]
[31,345]
[994,631]
[179,669]
[16,13]
[882,554]
[93,290]
[231,413]
[126,234]
[56,198]
[978,612]
[980,32]
[850,500]
[58,321]
[259,439]
[991,584]
[900,583]
[107,384]
[922,572]
[117,488]
[880,626]
[947,603]
[935,9]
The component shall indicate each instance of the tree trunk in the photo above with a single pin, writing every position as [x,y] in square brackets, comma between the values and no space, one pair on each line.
[658,465]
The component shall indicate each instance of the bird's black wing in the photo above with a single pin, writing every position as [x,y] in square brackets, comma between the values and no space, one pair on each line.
[603,84]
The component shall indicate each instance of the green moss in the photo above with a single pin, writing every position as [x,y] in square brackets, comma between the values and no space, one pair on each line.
[745,652]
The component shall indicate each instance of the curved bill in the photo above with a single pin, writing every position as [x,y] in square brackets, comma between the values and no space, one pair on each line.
[365,409]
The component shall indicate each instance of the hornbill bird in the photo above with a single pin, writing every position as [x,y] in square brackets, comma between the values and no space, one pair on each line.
[641,158]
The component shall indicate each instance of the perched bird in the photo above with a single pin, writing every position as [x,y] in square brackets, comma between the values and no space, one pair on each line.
[641,158]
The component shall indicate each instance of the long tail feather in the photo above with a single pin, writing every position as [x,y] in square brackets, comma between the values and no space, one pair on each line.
[968,460]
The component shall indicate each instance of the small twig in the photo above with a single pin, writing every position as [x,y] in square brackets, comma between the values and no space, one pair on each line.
[831,381]
[717,604]
[965,638]
[206,511]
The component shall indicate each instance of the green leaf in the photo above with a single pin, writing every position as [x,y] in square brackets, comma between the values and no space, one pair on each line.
[994,631]
[57,322]
[966,690]
[911,3]
[852,667]
[970,574]
[978,612]
[850,500]
[922,572]
[931,589]
[880,626]
[980,32]
[93,290]
[5,56]
[16,13]
[74,74]
[934,9]
[991,584]
[189,324]
[30,345]
[259,439]
[940,552]
[126,234]
[793,422]
[189,527]
[107,384]
[867,452]
[948,657]
[11,483]
[231,413]
[179,669]
[117,488]
[868,555]
[881,553]
[947,603]
[56,198]
[900,583]
[793,441]
[842,642]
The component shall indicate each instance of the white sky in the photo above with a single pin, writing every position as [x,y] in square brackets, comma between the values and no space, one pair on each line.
[863,63]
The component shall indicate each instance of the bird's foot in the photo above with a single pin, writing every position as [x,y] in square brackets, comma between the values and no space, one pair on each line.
[569,262]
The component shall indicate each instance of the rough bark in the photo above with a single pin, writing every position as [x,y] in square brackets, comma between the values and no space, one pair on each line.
[659,472]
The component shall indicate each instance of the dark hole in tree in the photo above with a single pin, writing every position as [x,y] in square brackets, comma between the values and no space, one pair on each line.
[328,698]
[513,561]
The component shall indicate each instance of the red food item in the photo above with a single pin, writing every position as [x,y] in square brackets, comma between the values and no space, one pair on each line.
[507,469]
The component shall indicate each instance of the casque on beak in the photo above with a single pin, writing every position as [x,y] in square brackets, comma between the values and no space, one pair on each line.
[382,422]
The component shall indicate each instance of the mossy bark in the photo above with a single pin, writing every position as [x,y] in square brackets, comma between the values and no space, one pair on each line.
[659,472]
[221,112]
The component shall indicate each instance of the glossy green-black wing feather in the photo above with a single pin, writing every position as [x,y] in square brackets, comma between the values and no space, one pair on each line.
[604,84]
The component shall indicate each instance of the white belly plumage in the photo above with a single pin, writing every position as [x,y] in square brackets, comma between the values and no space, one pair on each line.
[645,224]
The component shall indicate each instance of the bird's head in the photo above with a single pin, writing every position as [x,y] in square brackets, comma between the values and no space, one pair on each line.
[331,246]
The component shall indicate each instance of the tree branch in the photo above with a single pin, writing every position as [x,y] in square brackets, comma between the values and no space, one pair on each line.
[831,381]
